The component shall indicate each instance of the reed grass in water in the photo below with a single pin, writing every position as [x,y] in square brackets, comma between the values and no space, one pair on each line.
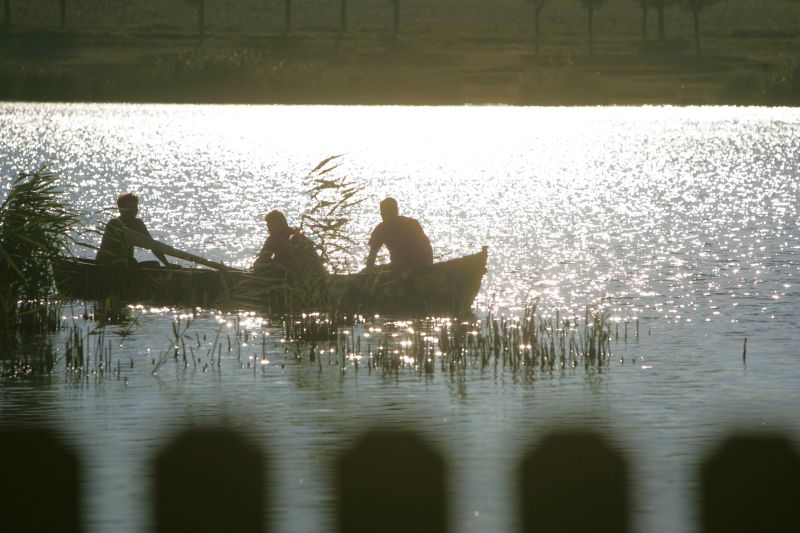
[527,347]
[35,228]
[331,199]
[520,344]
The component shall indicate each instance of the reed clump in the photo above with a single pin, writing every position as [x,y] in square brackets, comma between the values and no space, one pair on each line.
[525,347]
[331,199]
[35,229]
[84,353]
[518,344]
[35,360]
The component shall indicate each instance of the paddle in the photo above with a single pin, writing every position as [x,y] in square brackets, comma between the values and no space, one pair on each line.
[143,241]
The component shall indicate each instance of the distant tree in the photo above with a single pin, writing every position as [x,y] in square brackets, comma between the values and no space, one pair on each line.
[62,5]
[644,5]
[288,14]
[537,9]
[696,7]
[201,19]
[591,6]
[343,16]
[396,5]
[660,6]
[7,13]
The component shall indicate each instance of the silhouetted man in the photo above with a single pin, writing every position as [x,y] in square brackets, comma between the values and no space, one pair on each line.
[408,245]
[114,247]
[288,249]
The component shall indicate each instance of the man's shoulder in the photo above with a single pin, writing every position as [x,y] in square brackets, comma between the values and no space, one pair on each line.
[138,225]
[409,222]
[115,225]
[380,228]
[119,222]
[297,236]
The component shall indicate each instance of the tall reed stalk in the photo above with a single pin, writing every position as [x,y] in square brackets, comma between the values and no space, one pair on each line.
[35,228]
[331,198]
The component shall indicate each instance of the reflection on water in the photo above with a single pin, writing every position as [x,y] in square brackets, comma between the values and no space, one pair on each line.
[683,221]
[666,212]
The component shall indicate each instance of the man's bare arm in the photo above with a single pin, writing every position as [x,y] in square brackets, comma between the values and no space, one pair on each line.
[159,255]
[373,254]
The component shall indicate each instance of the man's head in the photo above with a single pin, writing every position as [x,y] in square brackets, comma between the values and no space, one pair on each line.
[128,204]
[389,209]
[276,222]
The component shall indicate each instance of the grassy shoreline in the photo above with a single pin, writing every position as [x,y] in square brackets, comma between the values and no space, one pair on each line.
[750,56]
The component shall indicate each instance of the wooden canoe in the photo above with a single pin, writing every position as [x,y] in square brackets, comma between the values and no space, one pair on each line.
[445,288]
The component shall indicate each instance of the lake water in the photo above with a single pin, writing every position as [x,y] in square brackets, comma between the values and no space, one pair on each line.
[685,219]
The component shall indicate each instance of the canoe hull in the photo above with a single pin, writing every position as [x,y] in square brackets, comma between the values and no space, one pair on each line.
[448,287]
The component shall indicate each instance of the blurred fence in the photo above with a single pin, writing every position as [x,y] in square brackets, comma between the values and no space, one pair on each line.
[499,18]
[215,480]
[258,16]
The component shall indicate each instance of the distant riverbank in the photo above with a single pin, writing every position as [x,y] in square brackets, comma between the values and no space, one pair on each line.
[469,55]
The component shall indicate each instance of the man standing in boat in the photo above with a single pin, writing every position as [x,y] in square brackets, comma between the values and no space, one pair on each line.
[407,243]
[114,247]
[289,250]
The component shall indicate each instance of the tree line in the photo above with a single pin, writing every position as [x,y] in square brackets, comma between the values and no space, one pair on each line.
[696,7]
[659,7]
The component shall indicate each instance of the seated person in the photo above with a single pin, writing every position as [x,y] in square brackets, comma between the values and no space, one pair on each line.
[288,249]
[114,248]
[408,245]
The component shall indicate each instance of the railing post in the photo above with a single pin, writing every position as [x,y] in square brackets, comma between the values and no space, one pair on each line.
[571,483]
[751,483]
[38,483]
[210,480]
[391,482]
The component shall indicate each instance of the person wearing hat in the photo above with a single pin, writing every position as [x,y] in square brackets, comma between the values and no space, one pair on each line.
[114,248]
[407,243]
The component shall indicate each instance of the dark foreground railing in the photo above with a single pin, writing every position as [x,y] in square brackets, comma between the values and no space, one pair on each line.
[214,480]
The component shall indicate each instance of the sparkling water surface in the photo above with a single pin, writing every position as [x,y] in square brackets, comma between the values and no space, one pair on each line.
[683,219]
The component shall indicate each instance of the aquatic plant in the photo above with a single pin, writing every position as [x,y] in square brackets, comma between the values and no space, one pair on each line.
[35,229]
[38,359]
[522,344]
[331,198]
[177,346]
